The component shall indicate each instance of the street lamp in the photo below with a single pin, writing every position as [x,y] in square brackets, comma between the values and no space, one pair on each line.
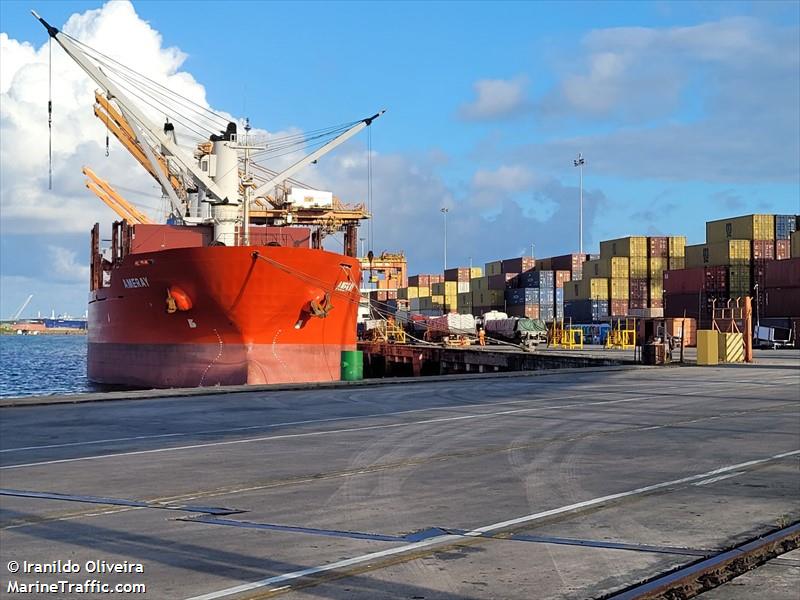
[362,240]
[579,162]
[444,211]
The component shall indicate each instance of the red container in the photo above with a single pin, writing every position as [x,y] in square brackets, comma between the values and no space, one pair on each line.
[656,303]
[518,265]
[638,292]
[618,308]
[502,281]
[657,247]
[783,249]
[763,249]
[523,310]
[782,302]
[459,274]
[419,281]
[782,273]
[697,279]
[561,277]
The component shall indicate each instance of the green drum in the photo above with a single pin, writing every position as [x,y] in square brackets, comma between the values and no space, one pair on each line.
[352,365]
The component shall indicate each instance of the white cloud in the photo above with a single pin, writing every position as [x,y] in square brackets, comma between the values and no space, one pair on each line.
[508,178]
[496,99]
[65,265]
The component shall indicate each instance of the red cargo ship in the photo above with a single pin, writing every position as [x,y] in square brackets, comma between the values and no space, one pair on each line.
[194,302]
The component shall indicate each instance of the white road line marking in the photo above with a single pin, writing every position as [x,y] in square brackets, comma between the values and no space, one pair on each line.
[444,539]
[719,478]
[319,433]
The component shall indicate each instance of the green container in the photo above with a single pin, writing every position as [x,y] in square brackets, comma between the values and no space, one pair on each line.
[352,365]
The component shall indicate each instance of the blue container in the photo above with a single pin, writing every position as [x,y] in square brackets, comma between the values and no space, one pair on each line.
[785,225]
[586,311]
[546,296]
[540,279]
[518,296]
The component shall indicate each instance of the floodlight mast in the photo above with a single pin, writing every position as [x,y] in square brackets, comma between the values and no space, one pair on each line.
[579,162]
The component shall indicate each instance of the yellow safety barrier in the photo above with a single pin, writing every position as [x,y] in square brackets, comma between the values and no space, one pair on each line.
[707,347]
[624,339]
[730,347]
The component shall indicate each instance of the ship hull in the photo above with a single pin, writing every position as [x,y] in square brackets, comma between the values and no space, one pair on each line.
[251,320]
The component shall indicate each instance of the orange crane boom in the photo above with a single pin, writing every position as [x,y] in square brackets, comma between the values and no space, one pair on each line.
[113,200]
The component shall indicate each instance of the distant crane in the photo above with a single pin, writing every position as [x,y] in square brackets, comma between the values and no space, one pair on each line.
[21,308]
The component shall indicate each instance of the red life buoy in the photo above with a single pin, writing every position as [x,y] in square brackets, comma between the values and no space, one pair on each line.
[182,300]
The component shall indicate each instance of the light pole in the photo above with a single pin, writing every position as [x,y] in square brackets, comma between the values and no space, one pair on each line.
[579,162]
[444,211]
[533,250]
[362,240]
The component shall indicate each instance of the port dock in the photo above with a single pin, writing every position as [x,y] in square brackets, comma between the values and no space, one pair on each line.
[391,360]
[553,484]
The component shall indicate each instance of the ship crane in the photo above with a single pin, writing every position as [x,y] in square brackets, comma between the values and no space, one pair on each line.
[211,176]
[17,314]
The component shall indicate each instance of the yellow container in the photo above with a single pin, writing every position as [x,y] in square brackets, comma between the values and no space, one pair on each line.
[677,246]
[479,284]
[616,267]
[707,347]
[635,245]
[656,268]
[475,272]
[677,262]
[619,289]
[592,288]
[731,252]
[638,267]
[749,227]
[731,347]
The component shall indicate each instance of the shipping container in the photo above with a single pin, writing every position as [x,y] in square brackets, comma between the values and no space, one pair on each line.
[739,281]
[585,311]
[749,227]
[546,313]
[696,306]
[479,284]
[638,292]
[591,288]
[494,267]
[518,265]
[463,287]
[795,252]
[689,281]
[618,289]
[656,268]
[561,277]
[618,308]
[677,262]
[616,267]
[782,302]
[423,280]
[628,246]
[655,289]
[763,250]
[785,225]
[638,267]
[502,281]
[458,274]
[731,252]
[465,300]
[657,247]
[529,295]
[677,246]
[683,329]
[783,249]
[530,311]
[783,274]
[536,279]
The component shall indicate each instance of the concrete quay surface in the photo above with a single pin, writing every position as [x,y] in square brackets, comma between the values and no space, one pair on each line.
[562,485]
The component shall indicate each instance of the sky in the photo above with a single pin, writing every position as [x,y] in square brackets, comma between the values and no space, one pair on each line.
[684,111]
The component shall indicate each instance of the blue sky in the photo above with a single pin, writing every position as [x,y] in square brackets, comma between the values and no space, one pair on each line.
[685,111]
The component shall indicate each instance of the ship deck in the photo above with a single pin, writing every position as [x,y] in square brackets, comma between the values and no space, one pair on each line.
[461,488]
